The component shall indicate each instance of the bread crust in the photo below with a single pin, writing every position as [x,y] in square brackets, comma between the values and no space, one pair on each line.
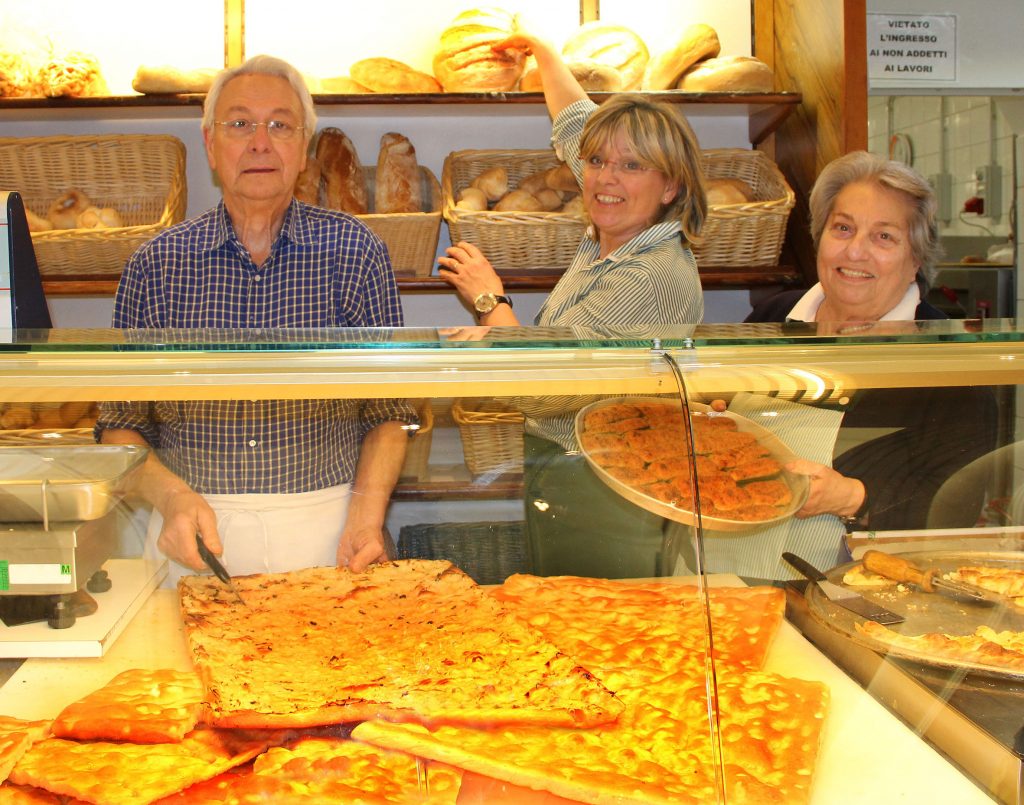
[397,187]
[614,46]
[698,42]
[344,185]
[379,74]
[728,74]
[465,60]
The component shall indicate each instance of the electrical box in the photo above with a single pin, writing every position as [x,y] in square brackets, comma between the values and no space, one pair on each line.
[989,180]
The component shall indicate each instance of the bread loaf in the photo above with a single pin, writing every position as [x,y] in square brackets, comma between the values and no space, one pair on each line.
[379,74]
[464,60]
[550,200]
[574,206]
[562,178]
[98,218]
[473,199]
[307,183]
[593,77]
[530,80]
[493,181]
[66,208]
[518,201]
[397,186]
[727,190]
[164,79]
[728,74]
[344,185]
[73,75]
[697,42]
[341,85]
[17,79]
[614,46]
[37,223]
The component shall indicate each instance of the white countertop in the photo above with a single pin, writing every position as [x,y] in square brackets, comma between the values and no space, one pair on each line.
[867,755]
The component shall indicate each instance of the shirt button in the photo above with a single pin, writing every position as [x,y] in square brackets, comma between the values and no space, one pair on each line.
[252,443]
[257,278]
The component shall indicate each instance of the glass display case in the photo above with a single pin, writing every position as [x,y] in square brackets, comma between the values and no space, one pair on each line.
[639,500]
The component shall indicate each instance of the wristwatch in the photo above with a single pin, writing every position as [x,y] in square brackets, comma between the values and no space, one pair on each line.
[486,302]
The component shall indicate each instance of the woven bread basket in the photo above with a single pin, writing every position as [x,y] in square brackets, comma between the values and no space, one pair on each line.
[492,435]
[749,234]
[142,176]
[411,237]
[510,240]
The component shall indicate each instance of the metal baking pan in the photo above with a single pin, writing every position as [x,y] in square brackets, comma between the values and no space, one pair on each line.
[926,612]
[798,484]
[64,482]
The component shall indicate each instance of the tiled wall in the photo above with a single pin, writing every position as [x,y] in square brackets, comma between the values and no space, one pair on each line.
[955,135]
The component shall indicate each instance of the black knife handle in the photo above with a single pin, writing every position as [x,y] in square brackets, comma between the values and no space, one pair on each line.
[804,567]
[212,561]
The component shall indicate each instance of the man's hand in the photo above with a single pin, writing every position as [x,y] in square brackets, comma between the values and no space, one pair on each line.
[360,548]
[830,492]
[186,513]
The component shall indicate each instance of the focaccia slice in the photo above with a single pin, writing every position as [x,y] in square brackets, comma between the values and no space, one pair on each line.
[414,640]
[140,705]
[16,736]
[998,650]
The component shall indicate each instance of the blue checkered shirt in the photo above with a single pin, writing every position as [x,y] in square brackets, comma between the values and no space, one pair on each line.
[325,269]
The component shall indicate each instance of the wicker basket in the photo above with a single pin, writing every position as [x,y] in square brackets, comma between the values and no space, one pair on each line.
[417,453]
[488,552]
[45,437]
[510,240]
[411,237]
[492,435]
[142,176]
[751,234]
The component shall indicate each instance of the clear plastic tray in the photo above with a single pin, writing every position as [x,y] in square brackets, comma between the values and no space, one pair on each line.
[66,482]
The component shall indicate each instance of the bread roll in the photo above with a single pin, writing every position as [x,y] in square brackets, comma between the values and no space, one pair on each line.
[98,218]
[397,186]
[550,200]
[164,79]
[614,46]
[464,60]
[37,223]
[727,190]
[530,81]
[729,74]
[379,74]
[17,79]
[344,185]
[697,42]
[494,183]
[534,182]
[518,201]
[66,208]
[574,206]
[15,416]
[341,85]
[307,183]
[72,412]
[561,178]
[473,199]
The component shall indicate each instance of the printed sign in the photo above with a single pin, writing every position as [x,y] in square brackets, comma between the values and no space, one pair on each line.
[915,47]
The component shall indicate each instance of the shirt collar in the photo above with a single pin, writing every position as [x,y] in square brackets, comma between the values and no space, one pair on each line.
[650,236]
[295,226]
[807,306]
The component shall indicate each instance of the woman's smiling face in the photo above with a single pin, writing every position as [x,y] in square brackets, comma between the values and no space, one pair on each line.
[865,260]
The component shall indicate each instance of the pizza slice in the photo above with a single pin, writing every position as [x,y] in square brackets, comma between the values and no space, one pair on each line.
[413,640]
[139,705]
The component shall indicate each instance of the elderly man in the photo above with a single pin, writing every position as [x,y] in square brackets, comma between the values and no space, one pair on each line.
[269,485]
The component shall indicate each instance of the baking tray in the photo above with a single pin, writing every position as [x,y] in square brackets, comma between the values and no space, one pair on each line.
[64,482]
[925,612]
[798,484]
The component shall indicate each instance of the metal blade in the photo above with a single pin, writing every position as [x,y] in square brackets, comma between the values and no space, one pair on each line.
[218,569]
[963,591]
[852,601]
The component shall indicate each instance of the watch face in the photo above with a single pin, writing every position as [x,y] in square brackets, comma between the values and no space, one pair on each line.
[485,303]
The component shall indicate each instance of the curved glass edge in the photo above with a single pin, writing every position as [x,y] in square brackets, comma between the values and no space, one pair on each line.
[677,337]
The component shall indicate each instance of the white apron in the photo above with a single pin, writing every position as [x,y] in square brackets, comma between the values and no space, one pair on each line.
[269,533]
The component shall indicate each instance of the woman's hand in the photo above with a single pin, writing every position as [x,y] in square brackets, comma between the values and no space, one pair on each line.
[467,270]
[478,333]
[830,492]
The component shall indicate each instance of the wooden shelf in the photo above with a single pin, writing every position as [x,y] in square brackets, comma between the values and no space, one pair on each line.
[765,111]
[725,277]
[505,487]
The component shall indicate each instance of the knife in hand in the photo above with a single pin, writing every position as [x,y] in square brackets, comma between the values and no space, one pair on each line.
[840,595]
[899,569]
[218,569]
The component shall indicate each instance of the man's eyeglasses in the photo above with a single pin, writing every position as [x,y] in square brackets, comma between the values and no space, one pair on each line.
[630,167]
[242,129]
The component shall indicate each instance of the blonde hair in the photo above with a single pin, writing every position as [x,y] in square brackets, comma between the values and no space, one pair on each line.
[861,166]
[263,65]
[660,136]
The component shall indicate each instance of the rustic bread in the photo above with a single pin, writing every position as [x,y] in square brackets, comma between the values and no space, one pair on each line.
[727,190]
[72,75]
[697,42]
[379,74]
[397,187]
[307,184]
[344,185]
[614,46]
[728,74]
[465,61]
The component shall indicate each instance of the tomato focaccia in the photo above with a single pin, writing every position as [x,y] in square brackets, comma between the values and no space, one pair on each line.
[647,641]
[139,705]
[16,736]
[109,773]
[414,640]
[987,647]
[328,771]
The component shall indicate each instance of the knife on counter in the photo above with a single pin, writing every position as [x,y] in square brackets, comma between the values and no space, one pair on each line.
[852,601]
[218,569]
[899,569]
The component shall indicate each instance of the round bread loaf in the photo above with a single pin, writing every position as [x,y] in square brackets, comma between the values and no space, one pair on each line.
[727,190]
[614,46]
[379,74]
[728,74]
[593,77]
[341,85]
[465,61]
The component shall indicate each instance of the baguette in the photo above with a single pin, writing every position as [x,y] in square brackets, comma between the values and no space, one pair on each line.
[698,42]
[379,74]
[398,176]
[343,180]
